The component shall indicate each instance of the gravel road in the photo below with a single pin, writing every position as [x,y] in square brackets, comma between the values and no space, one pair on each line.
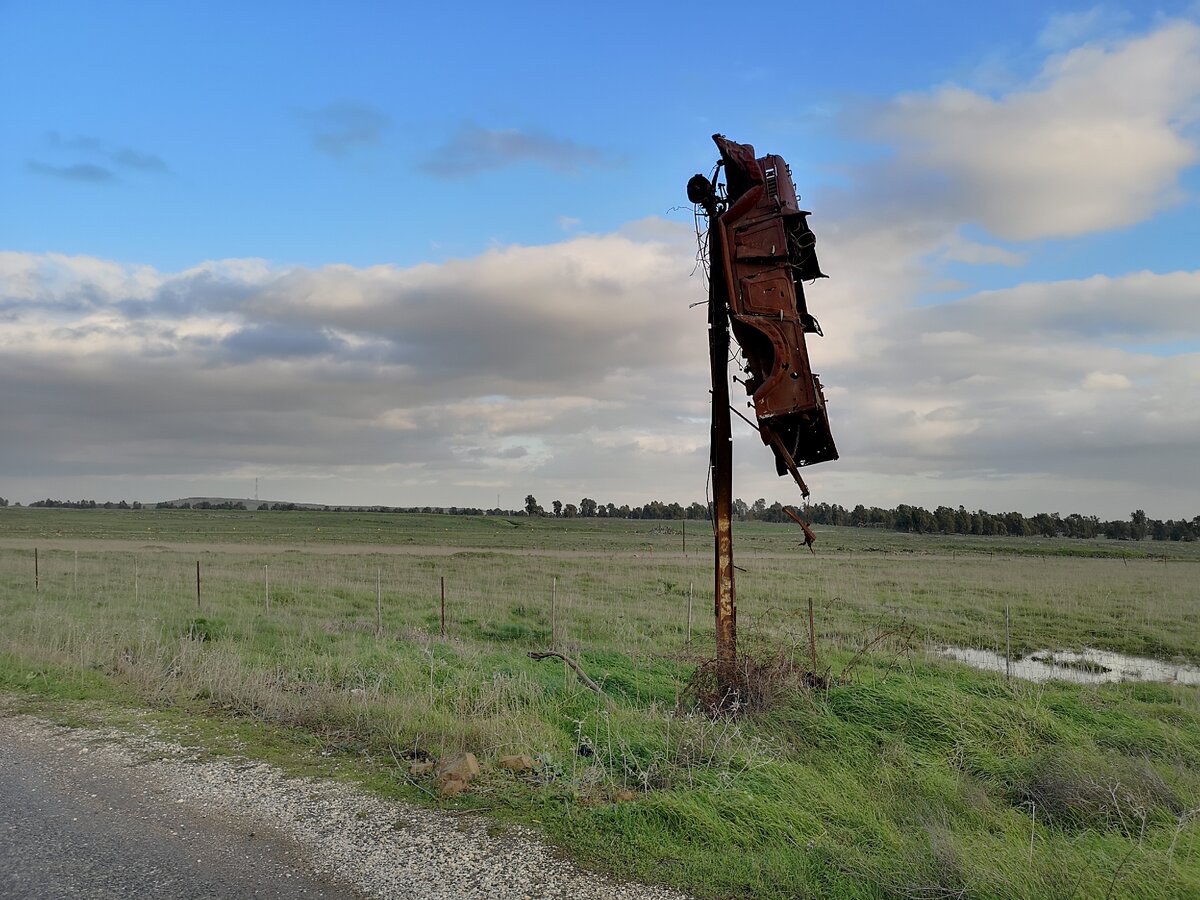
[100,813]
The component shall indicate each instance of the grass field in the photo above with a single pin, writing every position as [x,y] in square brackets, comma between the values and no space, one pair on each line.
[912,776]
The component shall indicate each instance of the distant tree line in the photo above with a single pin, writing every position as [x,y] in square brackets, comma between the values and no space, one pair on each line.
[945,520]
[914,519]
[588,508]
[293,507]
[83,504]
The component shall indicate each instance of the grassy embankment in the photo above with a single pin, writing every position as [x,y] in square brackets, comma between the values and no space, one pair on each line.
[915,778]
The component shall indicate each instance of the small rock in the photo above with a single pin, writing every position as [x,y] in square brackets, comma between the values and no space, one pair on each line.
[450,786]
[463,766]
[520,763]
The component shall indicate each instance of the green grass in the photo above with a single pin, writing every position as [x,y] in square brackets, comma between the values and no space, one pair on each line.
[914,778]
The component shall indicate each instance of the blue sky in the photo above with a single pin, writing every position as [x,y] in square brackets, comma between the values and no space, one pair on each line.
[204,199]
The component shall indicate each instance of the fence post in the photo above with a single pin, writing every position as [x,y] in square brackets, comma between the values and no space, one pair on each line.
[197,584]
[267,588]
[1007,648]
[37,576]
[553,610]
[135,579]
[75,576]
[689,616]
[443,580]
[812,638]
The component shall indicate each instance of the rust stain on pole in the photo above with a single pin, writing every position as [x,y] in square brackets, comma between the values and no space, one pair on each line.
[721,458]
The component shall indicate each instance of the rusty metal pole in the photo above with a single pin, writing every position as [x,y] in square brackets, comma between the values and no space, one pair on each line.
[721,456]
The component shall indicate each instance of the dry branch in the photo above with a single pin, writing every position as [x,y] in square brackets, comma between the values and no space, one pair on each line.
[583,676]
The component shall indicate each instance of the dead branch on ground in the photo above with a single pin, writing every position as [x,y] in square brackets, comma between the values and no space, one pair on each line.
[575,667]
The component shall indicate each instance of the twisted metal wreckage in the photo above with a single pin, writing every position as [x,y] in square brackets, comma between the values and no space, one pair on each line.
[761,251]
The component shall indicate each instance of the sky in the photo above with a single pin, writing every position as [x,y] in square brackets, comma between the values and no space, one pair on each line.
[441,254]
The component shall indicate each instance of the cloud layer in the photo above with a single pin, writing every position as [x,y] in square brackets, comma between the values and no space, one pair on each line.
[473,371]
[574,368]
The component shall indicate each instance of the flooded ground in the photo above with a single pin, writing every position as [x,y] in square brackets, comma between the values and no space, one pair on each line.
[1086,666]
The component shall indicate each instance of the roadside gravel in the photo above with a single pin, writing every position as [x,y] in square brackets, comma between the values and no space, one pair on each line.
[345,841]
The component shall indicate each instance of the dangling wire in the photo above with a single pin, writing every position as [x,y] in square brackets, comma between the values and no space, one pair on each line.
[698,213]
[701,244]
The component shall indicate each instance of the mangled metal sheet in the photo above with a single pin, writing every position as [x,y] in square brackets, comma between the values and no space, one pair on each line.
[767,253]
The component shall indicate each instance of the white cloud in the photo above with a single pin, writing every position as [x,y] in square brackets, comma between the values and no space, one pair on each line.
[1041,381]
[578,368]
[1096,141]
[1064,30]
[959,249]
[1142,307]
[1106,381]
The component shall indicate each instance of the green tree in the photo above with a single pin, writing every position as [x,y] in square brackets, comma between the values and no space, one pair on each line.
[531,506]
[557,509]
[1137,525]
[587,508]
[1117,530]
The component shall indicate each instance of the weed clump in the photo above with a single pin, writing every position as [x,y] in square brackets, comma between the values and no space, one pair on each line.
[201,629]
[761,681]
[1075,792]
[513,632]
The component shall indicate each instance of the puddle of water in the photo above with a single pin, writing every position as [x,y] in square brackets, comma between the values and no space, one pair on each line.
[1083,667]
